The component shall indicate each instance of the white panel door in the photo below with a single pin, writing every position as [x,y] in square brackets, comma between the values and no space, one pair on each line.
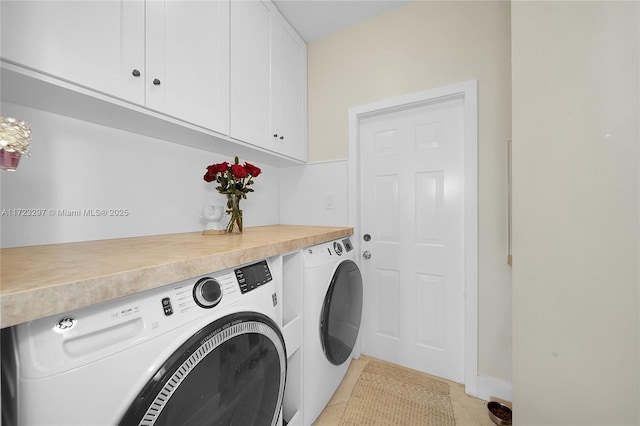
[188,61]
[412,165]
[96,44]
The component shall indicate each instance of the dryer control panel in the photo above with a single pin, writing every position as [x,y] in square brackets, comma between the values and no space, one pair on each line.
[340,247]
[347,244]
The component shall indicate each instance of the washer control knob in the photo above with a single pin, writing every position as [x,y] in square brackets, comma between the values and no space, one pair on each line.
[207,292]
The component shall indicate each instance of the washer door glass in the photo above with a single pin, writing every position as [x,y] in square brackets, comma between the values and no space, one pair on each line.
[230,372]
[341,313]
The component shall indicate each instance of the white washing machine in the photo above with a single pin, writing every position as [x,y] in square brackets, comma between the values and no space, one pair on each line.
[331,316]
[204,351]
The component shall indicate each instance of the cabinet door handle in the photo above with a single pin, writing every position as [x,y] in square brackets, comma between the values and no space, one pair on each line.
[136,73]
[156,82]
[275,135]
[281,137]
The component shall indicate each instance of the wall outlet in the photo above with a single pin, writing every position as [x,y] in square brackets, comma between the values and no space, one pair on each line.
[328,202]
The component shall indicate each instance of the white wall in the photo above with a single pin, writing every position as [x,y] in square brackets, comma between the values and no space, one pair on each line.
[305,191]
[423,45]
[576,94]
[80,165]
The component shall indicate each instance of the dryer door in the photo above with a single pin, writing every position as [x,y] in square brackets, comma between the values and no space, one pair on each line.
[341,313]
[230,372]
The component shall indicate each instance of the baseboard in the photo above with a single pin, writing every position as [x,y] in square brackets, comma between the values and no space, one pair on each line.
[488,388]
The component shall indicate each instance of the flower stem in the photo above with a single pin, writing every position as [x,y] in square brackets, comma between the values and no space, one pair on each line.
[233,204]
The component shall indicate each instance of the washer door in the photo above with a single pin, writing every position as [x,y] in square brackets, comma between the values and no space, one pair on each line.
[341,313]
[230,372]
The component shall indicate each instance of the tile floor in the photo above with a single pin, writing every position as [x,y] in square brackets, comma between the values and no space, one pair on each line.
[468,411]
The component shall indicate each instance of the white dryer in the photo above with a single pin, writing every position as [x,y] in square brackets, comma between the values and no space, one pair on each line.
[331,320]
[204,351]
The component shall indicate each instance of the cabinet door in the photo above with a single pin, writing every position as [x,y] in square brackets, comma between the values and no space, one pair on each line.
[96,44]
[288,89]
[250,73]
[188,61]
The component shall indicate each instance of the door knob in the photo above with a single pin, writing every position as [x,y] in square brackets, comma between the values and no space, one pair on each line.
[366,255]
[156,82]
[135,73]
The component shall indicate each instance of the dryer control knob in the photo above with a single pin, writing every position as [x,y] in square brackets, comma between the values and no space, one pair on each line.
[207,292]
[337,247]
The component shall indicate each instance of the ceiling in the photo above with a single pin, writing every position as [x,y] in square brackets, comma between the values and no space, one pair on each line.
[314,19]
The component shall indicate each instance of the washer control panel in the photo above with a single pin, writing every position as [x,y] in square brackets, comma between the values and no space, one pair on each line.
[206,292]
[253,276]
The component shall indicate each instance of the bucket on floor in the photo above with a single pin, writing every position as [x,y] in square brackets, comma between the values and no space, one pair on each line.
[499,413]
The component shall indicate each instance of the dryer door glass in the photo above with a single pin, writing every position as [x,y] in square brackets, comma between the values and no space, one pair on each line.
[341,313]
[230,372]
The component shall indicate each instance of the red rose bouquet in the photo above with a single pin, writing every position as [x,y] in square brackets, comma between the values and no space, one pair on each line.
[233,181]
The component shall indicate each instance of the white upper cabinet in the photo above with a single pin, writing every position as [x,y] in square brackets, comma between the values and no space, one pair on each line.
[187,61]
[234,70]
[288,89]
[95,44]
[268,79]
[181,70]
[250,72]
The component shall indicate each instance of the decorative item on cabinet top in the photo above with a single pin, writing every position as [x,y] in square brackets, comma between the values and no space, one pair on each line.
[15,141]
[233,181]
[212,218]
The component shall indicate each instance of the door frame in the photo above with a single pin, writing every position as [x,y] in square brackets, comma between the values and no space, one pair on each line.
[468,90]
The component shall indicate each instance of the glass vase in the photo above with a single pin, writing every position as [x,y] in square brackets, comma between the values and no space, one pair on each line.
[233,208]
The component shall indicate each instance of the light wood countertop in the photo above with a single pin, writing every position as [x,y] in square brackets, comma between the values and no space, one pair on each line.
[39,281]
